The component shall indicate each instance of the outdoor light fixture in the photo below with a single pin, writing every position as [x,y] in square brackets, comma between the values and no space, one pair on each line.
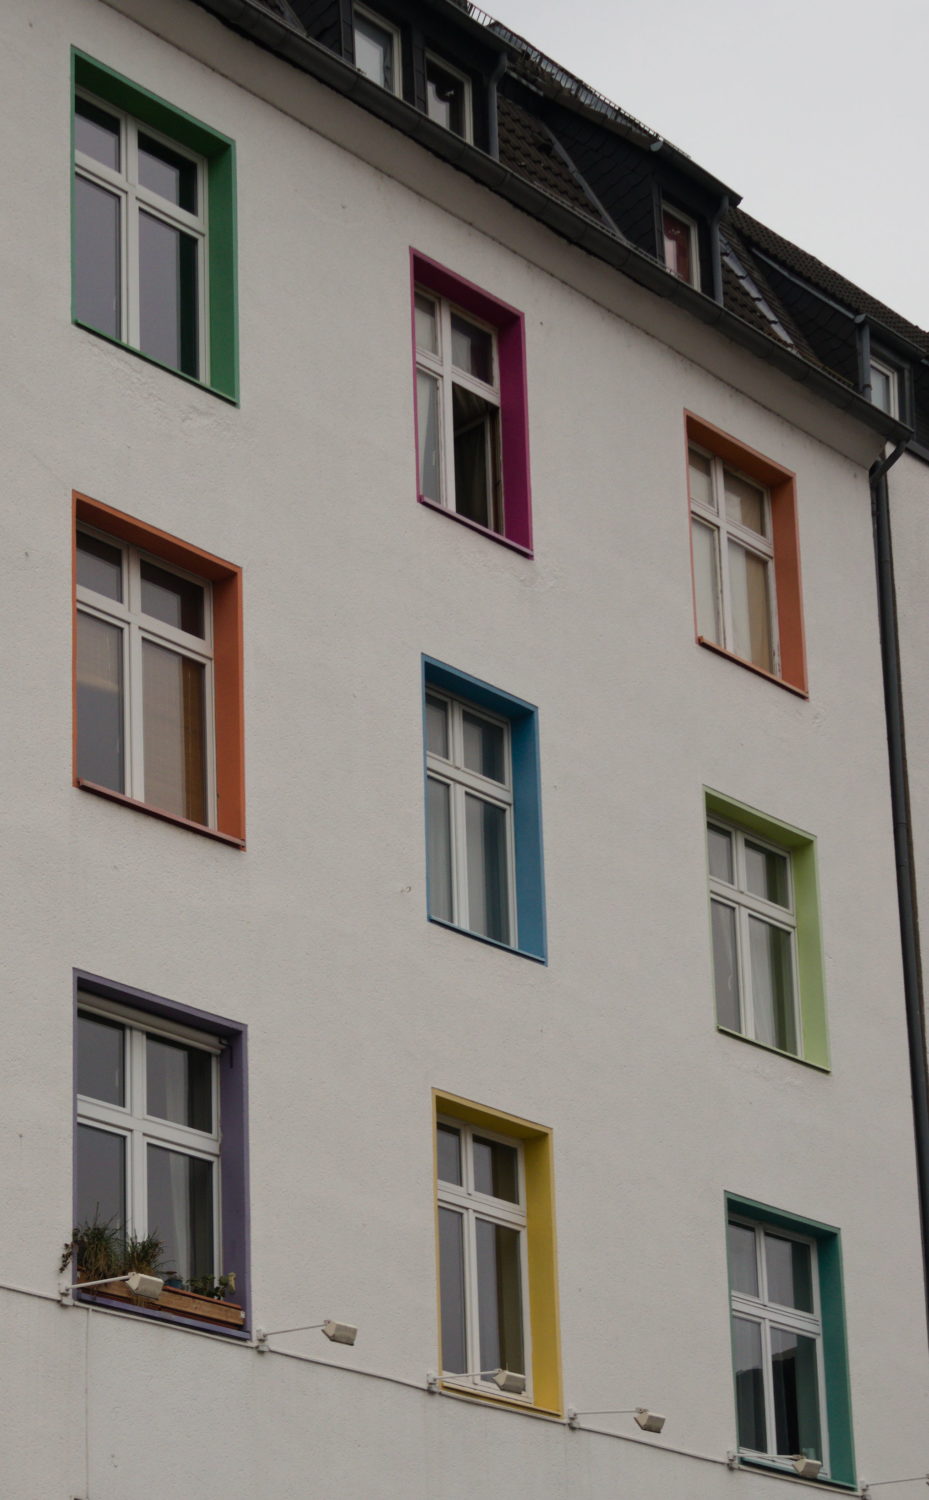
[143,1286]
[649,1421]
[339,1333]
[807,1468]
[509,1381]
[868,1485]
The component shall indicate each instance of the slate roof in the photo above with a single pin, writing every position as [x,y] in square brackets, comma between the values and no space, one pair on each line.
[528,147]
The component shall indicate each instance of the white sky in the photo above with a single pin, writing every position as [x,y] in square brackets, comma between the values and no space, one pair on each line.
[816,111]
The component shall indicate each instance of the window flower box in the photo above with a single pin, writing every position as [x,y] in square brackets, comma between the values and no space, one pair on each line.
[176,1300]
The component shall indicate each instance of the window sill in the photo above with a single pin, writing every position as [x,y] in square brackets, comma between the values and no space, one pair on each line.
[157,812]
[149,359]
[501,1403]
[777,1471]
[794,1057]
[113,1301]
[742,661]
[479,937]
[495,536]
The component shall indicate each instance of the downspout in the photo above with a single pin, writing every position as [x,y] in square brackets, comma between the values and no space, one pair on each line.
[493,138]
[903,835]
[716,258]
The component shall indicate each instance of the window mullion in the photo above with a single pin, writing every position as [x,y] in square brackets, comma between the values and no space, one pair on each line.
[743,941]
[137,1190]
[447,414]
[472,1320]
[135,730]
[460,903]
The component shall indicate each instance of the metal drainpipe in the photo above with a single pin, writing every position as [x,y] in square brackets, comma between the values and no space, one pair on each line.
[493,142]
[903,840]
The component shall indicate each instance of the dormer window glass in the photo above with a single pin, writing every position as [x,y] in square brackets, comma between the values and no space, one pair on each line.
[680,245]
[377,49]
[885,387]
[448,97]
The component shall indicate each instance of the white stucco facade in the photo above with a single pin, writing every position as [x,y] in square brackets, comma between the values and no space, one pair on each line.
[316,936]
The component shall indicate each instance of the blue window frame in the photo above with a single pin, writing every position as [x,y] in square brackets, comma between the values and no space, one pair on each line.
[483,811]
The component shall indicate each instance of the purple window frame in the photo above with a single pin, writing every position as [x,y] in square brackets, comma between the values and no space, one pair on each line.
[233,1161]
[510,326]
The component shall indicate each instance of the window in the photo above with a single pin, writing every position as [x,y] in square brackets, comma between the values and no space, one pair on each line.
[764,918]
[158,672]
[160,1112]
[483,823]
[681,245]
[788,1340]
[153,231]
[885,387]
[471,407]
[746,566]
[377,49]
[496,1260]
[448,97]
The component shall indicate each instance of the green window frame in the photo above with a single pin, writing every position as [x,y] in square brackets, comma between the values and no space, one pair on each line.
[800,847]
[220,371]
[836,1388]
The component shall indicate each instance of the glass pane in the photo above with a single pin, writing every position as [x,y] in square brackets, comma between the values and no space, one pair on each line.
[790,1272]
[100,753]
[796,1393]
[448,1151]
[472,349]
[452,1292]
[96,133]
[678,247]
[101,1069]
[439,849]
[701,480]
[179,1083]
[496,1169]
[180,1210]
[445,98]
[437,727]
[749,1385]
[882,389]
[706,581]
[751,611]
[726,966]
[101,1177]
[96,257]
[168,294]
[744,502]
[174,732]
[427,325]
[484,747]
[766,874]
[772,985]
[167,173]
[374,52]
[176,601]
[719,846]
[427,423]
[499,1297]
[488,897]
[99,566]
[474,422]
[743,1259]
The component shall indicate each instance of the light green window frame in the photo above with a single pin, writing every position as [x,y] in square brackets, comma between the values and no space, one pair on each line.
[801,847]
[837,1399]
[221,362]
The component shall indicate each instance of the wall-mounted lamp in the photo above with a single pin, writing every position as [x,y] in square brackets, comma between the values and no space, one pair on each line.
[807,1468]
[339,1333]
[868,1485]
[506,1380]
[649,1421]
[143,1286]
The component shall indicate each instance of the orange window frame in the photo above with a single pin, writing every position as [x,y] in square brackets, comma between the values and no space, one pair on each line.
[781,485]
[228,655]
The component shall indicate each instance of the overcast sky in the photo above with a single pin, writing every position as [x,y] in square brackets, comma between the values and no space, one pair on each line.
[816,111]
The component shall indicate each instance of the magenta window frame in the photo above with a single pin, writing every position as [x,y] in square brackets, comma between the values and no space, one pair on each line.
[510,326]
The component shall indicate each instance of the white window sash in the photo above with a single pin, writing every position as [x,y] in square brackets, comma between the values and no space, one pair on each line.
[725,530]
[745,904]
[439,365]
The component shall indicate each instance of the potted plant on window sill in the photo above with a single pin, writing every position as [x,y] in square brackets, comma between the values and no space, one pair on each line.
[100,1251]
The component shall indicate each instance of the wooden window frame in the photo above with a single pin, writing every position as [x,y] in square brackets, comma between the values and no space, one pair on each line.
[393,32]
[226,730]
[694,234]
[781,486]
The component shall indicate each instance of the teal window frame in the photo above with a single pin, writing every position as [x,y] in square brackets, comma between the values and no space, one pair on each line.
[523,719]
[836,1395]
[218,151]
[801,847]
